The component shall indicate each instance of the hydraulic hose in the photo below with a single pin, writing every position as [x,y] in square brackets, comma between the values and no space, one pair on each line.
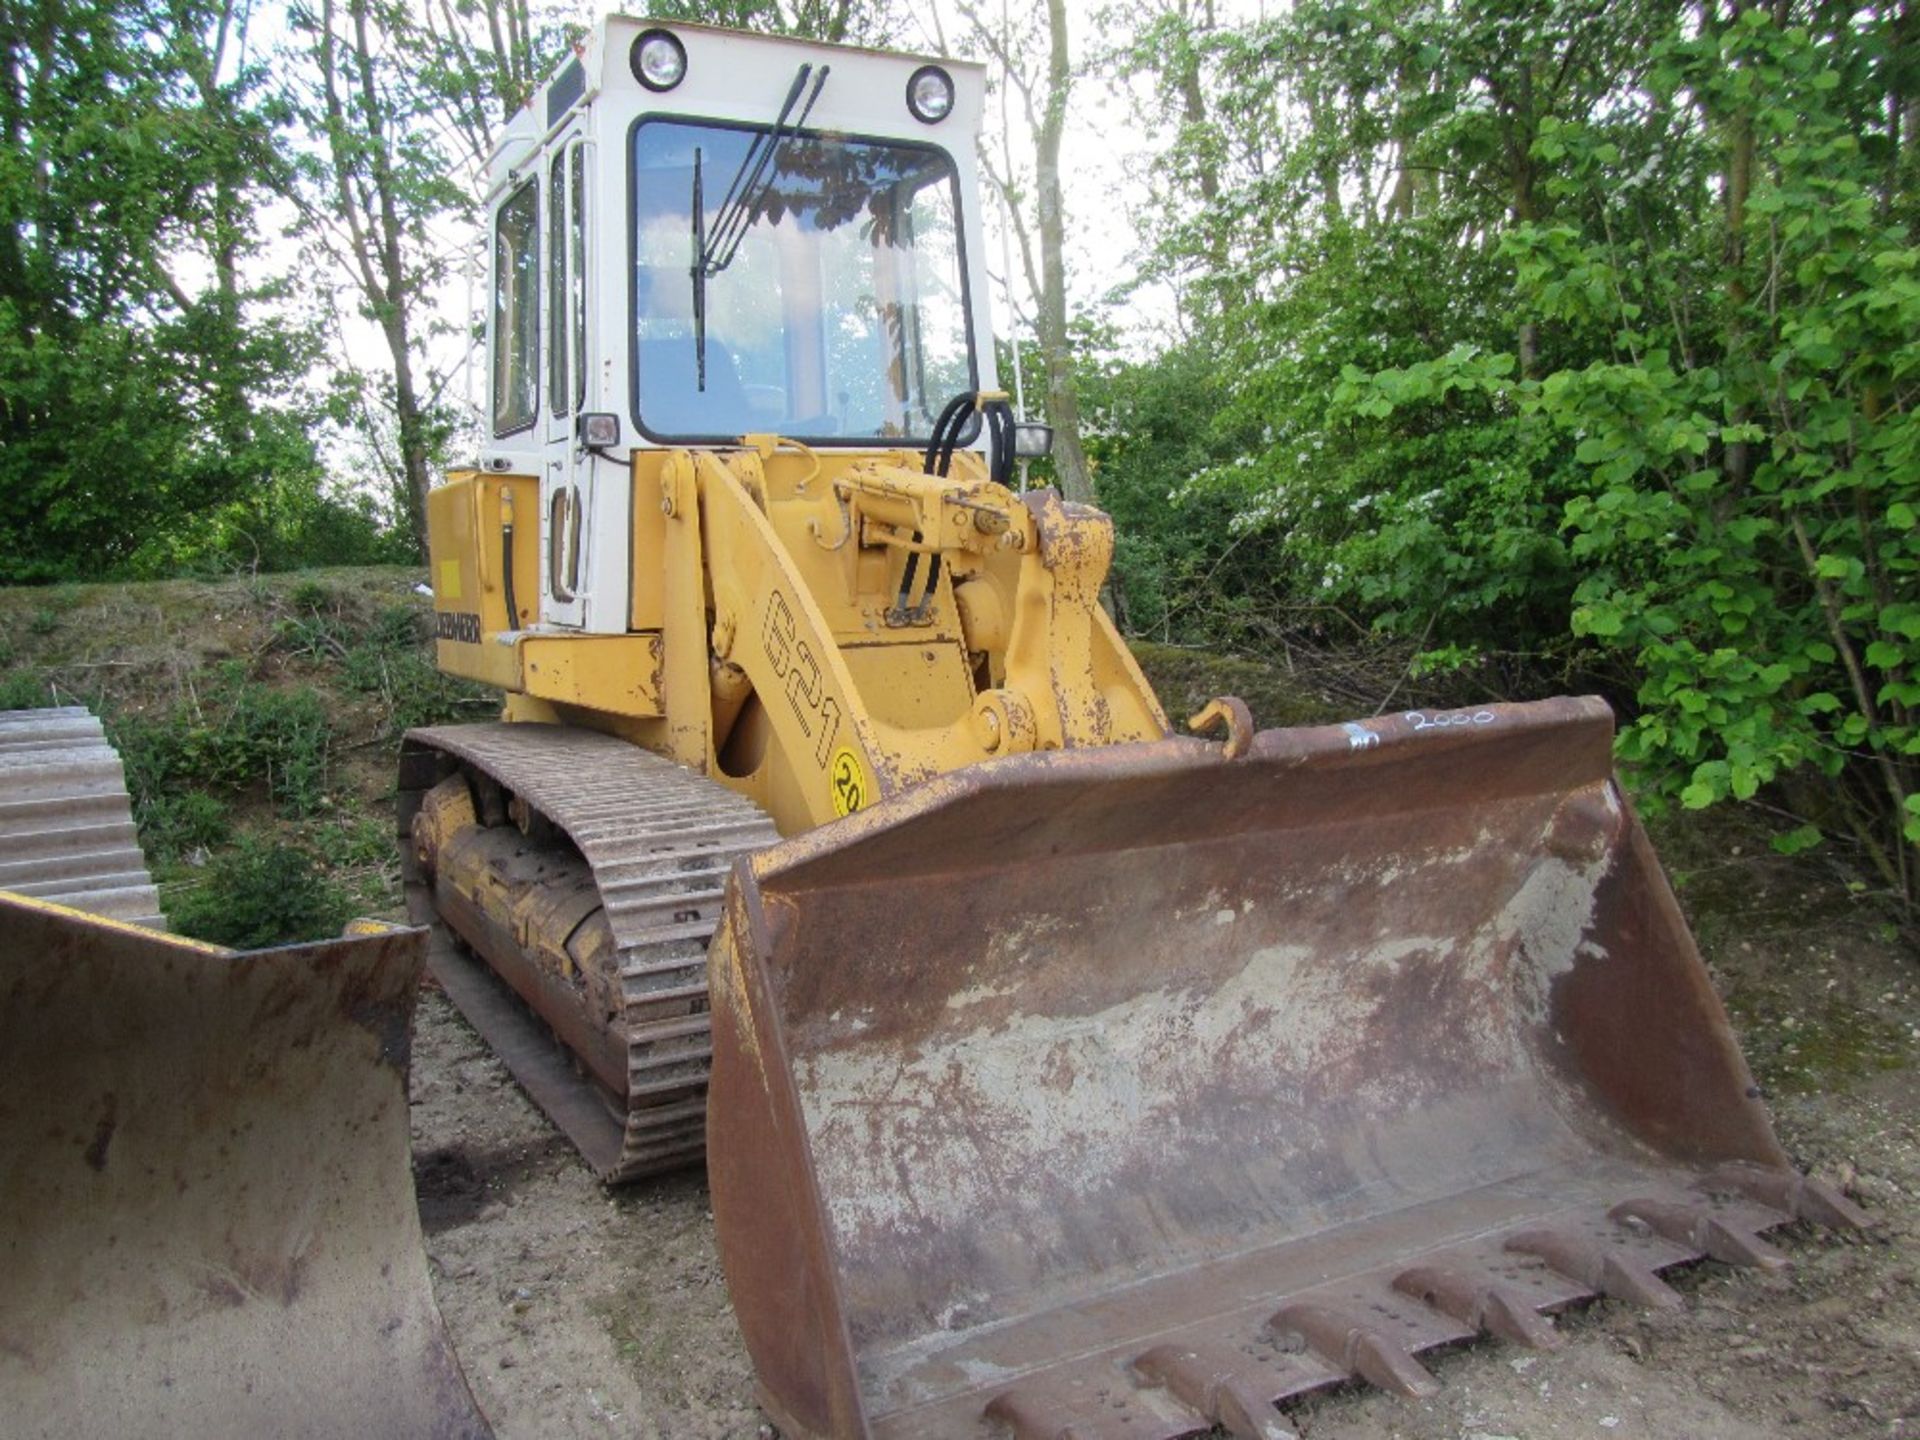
[506,556]
[995,413]
[940,445]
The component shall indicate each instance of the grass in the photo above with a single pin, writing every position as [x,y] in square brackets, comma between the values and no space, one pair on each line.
[641,1341]
[258,719]
[1791,941]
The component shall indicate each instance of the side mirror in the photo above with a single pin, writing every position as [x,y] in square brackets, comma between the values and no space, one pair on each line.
[1032,440]
[597,429]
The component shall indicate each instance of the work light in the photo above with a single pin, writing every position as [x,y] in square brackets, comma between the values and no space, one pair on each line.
[659,60]
[930,94]
[1031,440]
[597,430]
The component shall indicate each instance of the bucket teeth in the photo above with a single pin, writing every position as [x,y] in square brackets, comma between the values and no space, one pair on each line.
[1801,1196]
[1484,1304]
[1602,1268]
[1699,1228]
[1233,1390]
[1359,1348]
[1233,1377]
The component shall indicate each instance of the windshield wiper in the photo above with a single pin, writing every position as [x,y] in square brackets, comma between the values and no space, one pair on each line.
[759,167]
[714,251]
[699,271]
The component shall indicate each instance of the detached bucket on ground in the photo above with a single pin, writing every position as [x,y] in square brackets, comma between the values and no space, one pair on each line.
[207,1217]
[1128,1092]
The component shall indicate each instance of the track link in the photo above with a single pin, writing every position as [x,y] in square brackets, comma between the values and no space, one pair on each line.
[66,825]
[660,841]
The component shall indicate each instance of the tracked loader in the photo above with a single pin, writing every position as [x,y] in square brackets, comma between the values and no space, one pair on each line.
[207,1219]
[1057,1075]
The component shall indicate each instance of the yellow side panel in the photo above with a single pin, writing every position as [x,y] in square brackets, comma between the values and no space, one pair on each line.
[613,674]
[913,686]
[495,665]
[465,517]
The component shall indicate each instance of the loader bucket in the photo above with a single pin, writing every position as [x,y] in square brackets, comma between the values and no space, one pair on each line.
[207,1219]
[1127,1092]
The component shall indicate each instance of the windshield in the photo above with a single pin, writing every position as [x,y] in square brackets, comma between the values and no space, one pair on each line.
[840,316]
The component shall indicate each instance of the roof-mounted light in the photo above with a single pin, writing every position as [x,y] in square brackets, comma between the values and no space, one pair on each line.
[930,94]
[658,59]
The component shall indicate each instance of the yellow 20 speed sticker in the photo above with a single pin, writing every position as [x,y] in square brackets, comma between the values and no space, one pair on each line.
[848,779]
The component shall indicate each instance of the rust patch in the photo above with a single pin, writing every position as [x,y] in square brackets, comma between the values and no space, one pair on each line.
[96,1153]
[390,1022]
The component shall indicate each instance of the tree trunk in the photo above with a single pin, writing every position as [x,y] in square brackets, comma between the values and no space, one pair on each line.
[1063,396]
[1520,124]
[415,460]
[1736,458]
[1203,144]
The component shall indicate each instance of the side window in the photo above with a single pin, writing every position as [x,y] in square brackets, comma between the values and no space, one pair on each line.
[516,311]
[942,362]
[578,305]
[557,286]
[563,542]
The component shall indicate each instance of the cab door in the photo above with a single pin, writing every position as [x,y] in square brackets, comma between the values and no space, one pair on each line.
[566,482]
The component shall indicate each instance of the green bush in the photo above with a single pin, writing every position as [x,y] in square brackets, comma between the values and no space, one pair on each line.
[1744,533]
[261,894]
[175,825]
[351,842]
[392,660]
[420,694]
[293,519]
[247,733]
[1610,384]
[25,690]
[361,854]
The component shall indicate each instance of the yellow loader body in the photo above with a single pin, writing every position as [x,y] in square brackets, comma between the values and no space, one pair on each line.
[813,629]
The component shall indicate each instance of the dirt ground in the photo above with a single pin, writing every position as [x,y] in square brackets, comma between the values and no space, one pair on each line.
[582,1313]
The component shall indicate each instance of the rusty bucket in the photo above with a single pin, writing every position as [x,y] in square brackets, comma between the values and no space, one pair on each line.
[207,1218]
[1127,1093]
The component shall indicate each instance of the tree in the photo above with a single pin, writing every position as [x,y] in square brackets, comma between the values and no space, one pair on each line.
[1580,338]
[401,104]
[839,22]
[1030,187]
[135,351]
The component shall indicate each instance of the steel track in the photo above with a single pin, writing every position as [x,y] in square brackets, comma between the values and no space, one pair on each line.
[660,841]
[66,825]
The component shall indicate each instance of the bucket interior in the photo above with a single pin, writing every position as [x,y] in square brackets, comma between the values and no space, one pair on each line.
[207,1217]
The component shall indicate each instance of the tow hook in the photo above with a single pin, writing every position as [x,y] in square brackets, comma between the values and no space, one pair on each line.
[1232,710]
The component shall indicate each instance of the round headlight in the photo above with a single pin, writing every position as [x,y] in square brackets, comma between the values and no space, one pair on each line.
[659,60]
[930,94]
